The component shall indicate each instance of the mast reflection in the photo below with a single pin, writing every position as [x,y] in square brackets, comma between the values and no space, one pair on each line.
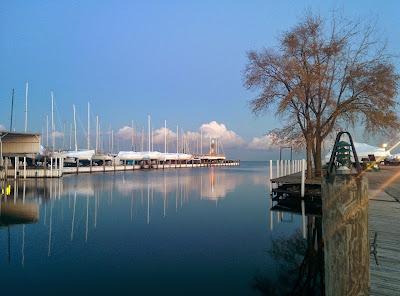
[68,201]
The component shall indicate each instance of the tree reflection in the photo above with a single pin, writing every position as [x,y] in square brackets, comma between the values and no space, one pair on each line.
[299,263]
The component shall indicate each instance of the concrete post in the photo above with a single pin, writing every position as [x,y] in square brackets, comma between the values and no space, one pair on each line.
[16,167]
[25,167]
[51,167]
[45,167]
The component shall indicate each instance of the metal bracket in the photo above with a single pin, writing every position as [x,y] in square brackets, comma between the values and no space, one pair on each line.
[374,248]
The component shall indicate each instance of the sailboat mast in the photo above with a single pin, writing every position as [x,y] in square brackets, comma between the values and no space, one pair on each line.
[149,129]
[97,133]
[52,121]
[201,141]
[100,143]
[152,139]
[142,148]
[12,110]
[76,142]
[177,139]
[70,136]
[88,125]
[133,135]
[26,106]
[165,136]
[112,141]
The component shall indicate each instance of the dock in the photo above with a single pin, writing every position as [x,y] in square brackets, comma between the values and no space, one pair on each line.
[57,170]
[384,215]
[383,219]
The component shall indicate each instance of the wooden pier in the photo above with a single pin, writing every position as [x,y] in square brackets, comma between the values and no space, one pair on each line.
[384,215]
[383,220]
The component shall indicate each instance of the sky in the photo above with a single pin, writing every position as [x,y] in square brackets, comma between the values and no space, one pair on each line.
[180,61]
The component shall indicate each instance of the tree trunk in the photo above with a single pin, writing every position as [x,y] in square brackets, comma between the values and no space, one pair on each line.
[309,148]
[318,157]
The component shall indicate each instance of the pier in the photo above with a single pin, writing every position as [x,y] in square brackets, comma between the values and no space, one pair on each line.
[384,233]
[383,214]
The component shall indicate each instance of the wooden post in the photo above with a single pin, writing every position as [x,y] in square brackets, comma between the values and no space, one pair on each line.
[77,166]
[270,177]
[303,216]
[303,179]
[345,235]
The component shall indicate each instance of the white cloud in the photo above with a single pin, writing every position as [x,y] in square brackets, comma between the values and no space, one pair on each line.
[228,137]
[262,143]
[159,134]
[212,129]
[125,132]
[2,127]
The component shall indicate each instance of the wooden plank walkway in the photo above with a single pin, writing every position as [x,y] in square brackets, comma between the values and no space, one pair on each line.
[384,218]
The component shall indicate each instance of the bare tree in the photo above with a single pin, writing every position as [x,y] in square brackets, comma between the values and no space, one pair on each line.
[324,77]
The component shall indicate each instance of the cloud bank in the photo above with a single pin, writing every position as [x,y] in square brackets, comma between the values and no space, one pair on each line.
[262,143]
[125,133]
[212,129]
[228,137]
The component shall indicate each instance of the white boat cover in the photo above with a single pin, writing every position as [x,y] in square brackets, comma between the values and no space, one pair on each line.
[213,157]
[154,155]
[132,155]
[176,156]
[80,154]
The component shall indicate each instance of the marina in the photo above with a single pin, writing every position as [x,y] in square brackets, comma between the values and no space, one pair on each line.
[96,222]
[199,148]
[21,157]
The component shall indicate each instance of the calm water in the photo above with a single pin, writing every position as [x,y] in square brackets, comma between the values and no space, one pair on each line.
[180,231]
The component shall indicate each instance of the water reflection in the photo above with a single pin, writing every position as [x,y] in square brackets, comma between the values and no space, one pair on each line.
[336,262]
[150,226]
[21,201]
[299,258]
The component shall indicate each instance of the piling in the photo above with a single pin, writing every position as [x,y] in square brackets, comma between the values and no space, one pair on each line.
[345,235]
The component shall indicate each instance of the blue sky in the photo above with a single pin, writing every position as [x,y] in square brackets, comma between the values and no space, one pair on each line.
[177,60]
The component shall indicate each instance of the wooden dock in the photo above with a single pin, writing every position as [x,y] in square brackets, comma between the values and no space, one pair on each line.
[289,187]
[383,222]
[384,218]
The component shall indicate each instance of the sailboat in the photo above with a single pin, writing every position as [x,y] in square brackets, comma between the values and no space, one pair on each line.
[83,154]
[142,155]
